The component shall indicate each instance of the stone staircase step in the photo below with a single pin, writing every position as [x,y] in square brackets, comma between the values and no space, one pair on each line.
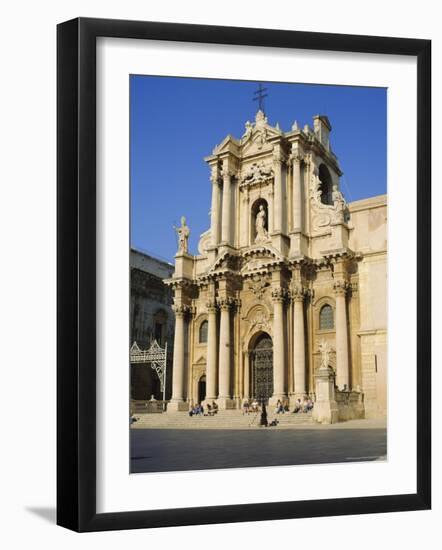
[232,419]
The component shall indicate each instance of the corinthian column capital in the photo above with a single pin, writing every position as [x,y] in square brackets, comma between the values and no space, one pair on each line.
[279,294]
[278,154]
[182,310]
[228,169]
[298,293]
[296,155]
[340,288]
[215,174]
[211,306]
[225,303]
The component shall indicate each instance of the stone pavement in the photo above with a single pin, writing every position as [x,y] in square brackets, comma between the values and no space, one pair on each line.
[162,450]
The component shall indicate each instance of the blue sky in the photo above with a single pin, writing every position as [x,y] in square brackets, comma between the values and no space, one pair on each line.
[176,122]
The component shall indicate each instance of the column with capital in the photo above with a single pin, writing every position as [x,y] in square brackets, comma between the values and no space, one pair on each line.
[212,347]
[226,230]
[342,365]
[296,158]
[278,194]
[224,354]
[177,402]
[216,206]
[245,219]
[278,296]
[296,244]
[298,294]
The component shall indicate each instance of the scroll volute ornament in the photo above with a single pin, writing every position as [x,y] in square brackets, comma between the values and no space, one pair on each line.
[326,214]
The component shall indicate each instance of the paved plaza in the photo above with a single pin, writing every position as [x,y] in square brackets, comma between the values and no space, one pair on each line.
[154,450]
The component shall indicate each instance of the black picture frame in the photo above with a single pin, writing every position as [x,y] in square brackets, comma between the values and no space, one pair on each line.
[76,272]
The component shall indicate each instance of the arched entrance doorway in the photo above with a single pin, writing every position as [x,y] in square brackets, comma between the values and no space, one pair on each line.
[262,368]
[202,389]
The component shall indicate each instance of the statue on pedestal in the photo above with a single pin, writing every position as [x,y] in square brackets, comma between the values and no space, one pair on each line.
[183,233]
[325,350]
[339,204]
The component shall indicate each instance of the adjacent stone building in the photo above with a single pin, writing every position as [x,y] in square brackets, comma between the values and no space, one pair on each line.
[286,266]
[151,318]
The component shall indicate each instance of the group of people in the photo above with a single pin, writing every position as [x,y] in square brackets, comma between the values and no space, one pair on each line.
[198,409]
[305,406]
[281,407]
[252,407]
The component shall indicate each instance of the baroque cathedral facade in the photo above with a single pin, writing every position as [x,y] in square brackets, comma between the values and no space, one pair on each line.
[286,268]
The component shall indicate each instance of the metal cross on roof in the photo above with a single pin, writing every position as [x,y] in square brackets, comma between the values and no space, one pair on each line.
[260,95]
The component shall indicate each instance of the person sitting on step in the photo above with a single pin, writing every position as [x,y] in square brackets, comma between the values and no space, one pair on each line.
[246,407]
[305,405]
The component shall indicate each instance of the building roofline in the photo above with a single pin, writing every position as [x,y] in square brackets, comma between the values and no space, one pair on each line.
[158,259]
[365,204]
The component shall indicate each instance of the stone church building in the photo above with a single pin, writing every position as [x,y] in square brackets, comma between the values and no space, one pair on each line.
[287,266]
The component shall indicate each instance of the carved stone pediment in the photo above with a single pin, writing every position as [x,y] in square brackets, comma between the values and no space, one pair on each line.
[258,259]
[256,264]
[257,173]
[256,136]
[260,254]
[258,285]
[228,144]
[228,261]
[260,321]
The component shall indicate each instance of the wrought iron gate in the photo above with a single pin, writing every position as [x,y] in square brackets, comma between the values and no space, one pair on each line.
[263,369]
[156,357]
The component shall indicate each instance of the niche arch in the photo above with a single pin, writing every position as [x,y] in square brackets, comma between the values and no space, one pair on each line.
[326,186]
[259,205]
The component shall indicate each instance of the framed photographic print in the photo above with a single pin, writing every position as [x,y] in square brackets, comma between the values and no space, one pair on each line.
[243,274]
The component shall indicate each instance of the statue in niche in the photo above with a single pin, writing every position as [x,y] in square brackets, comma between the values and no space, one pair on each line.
[260,225]
[183,233]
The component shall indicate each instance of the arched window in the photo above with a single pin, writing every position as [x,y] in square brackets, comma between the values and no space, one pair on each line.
[326,186]
[326,320]
[203,332]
